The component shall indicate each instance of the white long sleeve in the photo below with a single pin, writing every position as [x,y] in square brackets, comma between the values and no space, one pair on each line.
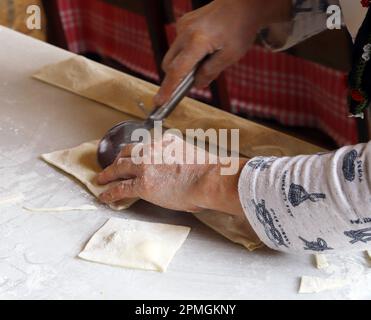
[311,203]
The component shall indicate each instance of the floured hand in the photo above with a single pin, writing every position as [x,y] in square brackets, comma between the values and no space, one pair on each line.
[171,184]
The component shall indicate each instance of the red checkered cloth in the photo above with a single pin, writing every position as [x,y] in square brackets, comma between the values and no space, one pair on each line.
[263,84]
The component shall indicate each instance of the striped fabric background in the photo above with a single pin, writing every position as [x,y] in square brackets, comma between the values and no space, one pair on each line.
[263,84]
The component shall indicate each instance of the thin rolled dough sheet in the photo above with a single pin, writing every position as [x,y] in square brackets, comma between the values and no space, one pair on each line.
[135,244]
[81,163]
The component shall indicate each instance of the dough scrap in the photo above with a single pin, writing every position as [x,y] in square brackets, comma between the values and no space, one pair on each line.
[369,253]
[11,198]
[81,163]
[86,207]
[316,285]
[135,244]
[321,261]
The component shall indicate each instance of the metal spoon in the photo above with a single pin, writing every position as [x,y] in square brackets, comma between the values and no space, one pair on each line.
[121,134]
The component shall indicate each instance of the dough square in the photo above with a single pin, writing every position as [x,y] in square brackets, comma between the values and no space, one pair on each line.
[135,244]
[81,163]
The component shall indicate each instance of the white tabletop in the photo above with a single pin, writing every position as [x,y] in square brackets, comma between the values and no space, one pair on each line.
[38,251]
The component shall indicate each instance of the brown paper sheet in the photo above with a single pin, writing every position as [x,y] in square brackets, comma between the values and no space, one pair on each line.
[124,93]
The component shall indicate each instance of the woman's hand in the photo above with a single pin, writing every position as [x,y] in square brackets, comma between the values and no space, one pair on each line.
[224,29]
[183,187]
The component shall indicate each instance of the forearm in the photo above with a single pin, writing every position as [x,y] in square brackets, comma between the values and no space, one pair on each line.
[310,203]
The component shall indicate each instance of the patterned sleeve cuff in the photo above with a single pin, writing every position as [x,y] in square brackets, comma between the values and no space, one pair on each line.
[255,211]
[309,18]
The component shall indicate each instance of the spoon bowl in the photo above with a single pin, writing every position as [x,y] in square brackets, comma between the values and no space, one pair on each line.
[117,138]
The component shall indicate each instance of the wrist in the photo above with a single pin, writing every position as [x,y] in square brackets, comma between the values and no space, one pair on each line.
[220,192]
